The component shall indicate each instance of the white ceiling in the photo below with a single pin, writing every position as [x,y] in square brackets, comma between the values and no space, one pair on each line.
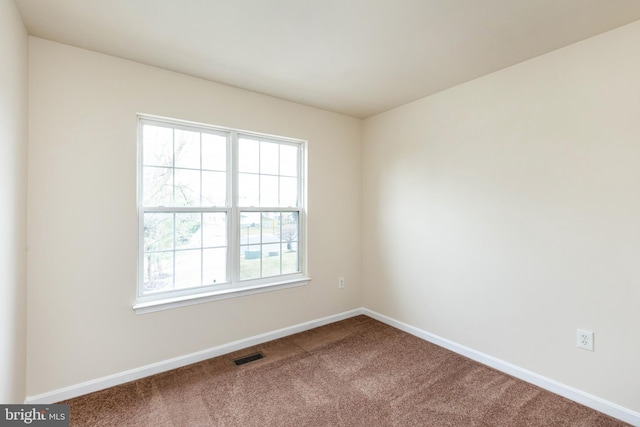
[357,57]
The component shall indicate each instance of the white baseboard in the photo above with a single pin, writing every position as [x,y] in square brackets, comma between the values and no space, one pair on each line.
[553,386]
[579,396]
[177,362]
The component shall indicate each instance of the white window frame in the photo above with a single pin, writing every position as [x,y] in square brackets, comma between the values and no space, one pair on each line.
[234,287]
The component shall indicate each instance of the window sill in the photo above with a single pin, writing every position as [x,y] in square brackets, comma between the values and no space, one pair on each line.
[170,303]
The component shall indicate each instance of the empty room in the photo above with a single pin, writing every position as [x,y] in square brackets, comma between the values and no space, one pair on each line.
[285,212]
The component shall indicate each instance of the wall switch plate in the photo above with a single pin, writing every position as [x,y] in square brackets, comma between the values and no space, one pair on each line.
[585,339]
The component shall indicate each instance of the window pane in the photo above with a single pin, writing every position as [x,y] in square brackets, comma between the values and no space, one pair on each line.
[157,186]
[158,272]
[269,158]
[188,230]
[214,188]
[157,147]
[250,262]
[270,227]
[288,192]
[290,258]
[248,190]
[250,253]
[290,227]
[187,187]
[187,149]
[214,229]
[158,231]
[288,160]
[214,152]
[188,269]
[248,155]
[249,227]
[271,260]
[290,238]
[268,190]
[215,266]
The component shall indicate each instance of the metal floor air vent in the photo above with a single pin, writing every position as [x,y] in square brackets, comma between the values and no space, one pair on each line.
[249,358]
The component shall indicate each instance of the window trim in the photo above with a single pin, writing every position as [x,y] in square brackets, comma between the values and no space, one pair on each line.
[221,294]
[234,287]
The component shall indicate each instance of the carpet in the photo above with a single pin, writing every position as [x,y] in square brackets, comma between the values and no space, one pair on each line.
[356,372]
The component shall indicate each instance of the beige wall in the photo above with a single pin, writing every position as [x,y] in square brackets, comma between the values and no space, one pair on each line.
[504,213]
[83,224]
[13,189]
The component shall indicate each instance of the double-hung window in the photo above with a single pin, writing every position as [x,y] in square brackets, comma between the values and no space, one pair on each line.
[221,213]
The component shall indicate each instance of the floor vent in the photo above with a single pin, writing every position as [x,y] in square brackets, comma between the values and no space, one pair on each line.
[249,358]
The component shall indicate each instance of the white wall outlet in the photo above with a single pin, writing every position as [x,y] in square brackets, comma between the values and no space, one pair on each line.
[585,339]
[341,282]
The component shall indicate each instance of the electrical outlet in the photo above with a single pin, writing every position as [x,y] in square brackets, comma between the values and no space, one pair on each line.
[585,339]
[341,282]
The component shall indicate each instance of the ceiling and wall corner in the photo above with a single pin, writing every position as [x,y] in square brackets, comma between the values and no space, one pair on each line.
[358,57]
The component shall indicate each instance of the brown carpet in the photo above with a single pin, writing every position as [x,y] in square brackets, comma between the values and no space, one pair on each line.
[357,372]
